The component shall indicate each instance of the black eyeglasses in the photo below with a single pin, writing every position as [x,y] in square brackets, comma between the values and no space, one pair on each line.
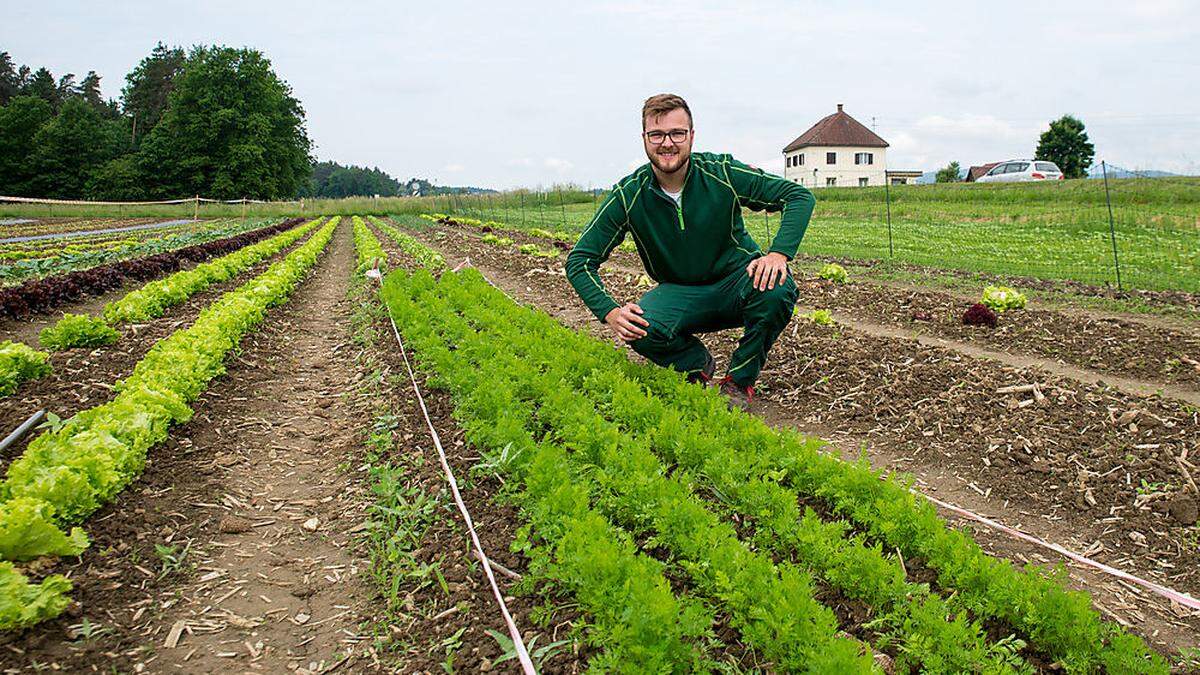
[677,136]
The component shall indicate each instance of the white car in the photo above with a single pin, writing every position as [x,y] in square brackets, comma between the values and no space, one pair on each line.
[1020,170]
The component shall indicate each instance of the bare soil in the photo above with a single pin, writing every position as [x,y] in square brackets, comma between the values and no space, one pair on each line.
[1106,344]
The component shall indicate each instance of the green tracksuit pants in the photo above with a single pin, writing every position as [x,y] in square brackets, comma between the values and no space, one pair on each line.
[677,312]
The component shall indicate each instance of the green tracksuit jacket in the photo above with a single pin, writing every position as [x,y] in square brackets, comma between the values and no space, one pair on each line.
[697,242]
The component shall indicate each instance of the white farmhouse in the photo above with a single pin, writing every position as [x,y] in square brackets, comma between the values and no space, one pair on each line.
[837,151]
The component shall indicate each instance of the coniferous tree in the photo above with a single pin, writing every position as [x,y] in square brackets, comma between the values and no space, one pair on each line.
[148,86]
[10,83]
[41,84]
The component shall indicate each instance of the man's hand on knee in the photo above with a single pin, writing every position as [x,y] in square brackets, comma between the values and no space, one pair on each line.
[768,271]
[627,322]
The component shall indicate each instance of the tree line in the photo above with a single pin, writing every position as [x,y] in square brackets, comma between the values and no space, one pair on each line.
[215,121]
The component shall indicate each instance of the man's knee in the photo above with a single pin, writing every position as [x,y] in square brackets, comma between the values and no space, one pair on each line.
[777,303]
[657,337]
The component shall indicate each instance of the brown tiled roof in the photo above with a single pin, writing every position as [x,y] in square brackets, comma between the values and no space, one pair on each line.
[977,171]
[838,129]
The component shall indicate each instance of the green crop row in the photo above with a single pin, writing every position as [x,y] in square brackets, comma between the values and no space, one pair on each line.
[54,251]
[1057,621]
[68,472]
[634,616]
[20,362]
[684,420]
[153,299]
[425,256]
[77,330]
[928,634]
[366,244]
[771,605]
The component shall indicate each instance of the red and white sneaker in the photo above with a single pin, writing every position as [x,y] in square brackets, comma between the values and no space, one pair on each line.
[737,396]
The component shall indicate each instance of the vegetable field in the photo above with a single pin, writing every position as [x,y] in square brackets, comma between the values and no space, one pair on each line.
[1061,231]
[260,437]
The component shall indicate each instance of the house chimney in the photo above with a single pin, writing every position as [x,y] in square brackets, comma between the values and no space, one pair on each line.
[839,107]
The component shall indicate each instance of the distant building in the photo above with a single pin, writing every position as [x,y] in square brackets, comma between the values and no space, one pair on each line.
[904,177]
[839,151]
[977,171]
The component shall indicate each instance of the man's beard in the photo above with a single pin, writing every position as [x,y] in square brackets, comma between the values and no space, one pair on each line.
[656,158]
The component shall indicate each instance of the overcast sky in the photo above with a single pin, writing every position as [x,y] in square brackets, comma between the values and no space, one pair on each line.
[542,92]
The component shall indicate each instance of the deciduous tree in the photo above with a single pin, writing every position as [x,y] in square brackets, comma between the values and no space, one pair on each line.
[1066,144]
[948,173]
[231,129]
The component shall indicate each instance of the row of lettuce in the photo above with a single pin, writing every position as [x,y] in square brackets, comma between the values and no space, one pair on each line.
[69,472]
[20,363]
[617,459]
[154,299]
[77,256]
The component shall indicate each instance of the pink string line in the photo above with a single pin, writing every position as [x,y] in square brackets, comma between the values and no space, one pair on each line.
[1174,596]
[513,631]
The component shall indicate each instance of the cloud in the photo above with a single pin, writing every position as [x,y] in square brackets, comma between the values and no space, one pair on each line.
[520,161]
[454,168]
[559,165]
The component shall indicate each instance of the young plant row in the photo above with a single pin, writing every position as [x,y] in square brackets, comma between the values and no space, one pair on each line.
[692,427]
[156,297]
[927,634]
[43,295]
[67,473]
[366,245]
[558,238]
[425,256]
[19,363]
[771,605]
[44,251]
[158,242]
[635,618]
[636,491]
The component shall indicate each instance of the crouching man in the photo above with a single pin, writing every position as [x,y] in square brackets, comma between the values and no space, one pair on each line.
[684,212]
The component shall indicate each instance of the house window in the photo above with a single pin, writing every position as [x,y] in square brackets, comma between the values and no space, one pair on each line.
[864,158]
[899,181]
[831,158]
[787,162]
[830,182]
[862,182]
[800,159]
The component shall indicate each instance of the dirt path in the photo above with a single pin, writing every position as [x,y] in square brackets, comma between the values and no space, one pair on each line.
[1129,385]
[280,583]
[1039,512]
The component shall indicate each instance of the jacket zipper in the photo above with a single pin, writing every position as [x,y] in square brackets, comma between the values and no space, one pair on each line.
[679,209]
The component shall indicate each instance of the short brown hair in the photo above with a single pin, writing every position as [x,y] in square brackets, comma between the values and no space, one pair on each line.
[660,104]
